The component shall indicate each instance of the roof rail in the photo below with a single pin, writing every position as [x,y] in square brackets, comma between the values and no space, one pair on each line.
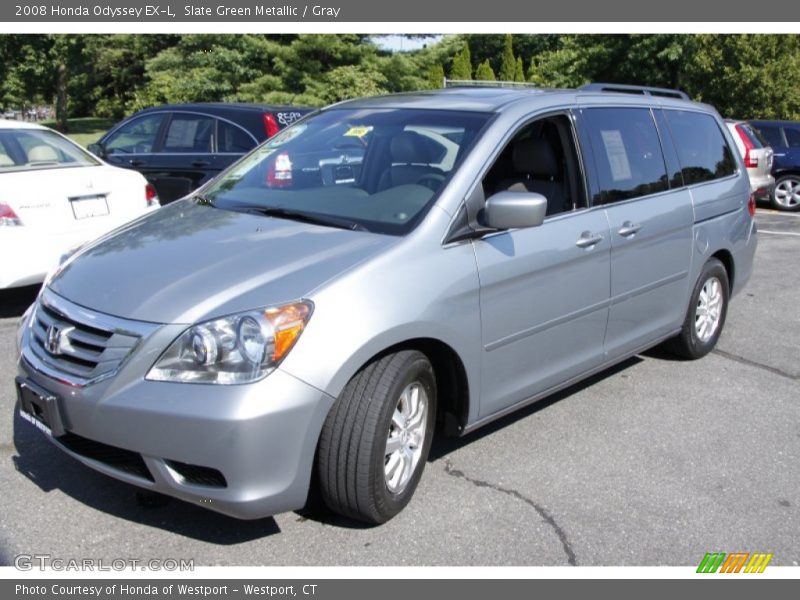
[448,83]
[634,89]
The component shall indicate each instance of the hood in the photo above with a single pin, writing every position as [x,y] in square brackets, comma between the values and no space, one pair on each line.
[188,262]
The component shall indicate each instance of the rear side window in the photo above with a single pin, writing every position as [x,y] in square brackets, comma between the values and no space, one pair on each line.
[772,135]
[189,133]
[792,137]
[627,153]
[702,150]
[233,139]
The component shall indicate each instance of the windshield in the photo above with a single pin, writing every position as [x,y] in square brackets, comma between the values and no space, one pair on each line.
[31,149]
[372,169]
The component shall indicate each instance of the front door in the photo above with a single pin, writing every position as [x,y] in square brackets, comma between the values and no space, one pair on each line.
[544,290]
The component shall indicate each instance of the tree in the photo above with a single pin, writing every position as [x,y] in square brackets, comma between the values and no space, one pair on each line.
[745,76]
[462,64]
[508,65]
[349,81]
[436,76]
[485,72]
[519,73]
[491,46]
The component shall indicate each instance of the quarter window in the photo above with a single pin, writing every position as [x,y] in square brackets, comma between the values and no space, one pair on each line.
[792,137]
[702,150]
[772,135]
[627,153]
[233,139]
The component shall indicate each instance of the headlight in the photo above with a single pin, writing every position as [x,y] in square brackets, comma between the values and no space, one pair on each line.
[239,348]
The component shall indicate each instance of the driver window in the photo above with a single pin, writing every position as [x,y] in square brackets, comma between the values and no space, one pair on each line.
[541,158]
[136,137]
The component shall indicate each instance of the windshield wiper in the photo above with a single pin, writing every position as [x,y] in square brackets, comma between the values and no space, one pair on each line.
[304,217]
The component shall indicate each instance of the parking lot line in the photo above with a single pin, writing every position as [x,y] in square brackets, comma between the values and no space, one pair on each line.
[778,232]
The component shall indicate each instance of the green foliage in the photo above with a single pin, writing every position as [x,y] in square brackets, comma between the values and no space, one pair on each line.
[111,75]
[484,72]
[462,64]
[435,76]
[519,72]
[508,65]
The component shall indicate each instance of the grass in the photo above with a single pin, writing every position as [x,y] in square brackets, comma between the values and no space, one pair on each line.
[86,130]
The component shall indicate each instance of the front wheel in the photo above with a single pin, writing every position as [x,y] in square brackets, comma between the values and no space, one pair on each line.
[376,439]
[786,195]
[705,317]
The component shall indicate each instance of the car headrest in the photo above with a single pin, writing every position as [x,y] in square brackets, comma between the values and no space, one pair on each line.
[536,157]
[42,154]
[410,147]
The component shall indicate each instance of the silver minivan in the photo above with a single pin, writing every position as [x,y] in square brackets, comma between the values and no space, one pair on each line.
[287,325]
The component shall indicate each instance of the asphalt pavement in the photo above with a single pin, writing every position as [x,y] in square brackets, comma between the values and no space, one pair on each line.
[654,462]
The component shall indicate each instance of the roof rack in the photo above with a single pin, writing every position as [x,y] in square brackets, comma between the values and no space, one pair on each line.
[448,83]
[634,89]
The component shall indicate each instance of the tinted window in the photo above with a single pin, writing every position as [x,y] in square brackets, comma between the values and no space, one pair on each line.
[627,153]
[135,137]
[702,150]
[233,138]
[772,135]
[792,137]
[189,133]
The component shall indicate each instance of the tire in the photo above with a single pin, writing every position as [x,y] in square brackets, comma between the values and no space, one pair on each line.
[352,459]
[786,195]
[698,336]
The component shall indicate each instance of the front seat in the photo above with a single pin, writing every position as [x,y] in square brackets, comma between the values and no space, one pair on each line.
[411,155]
[536,170]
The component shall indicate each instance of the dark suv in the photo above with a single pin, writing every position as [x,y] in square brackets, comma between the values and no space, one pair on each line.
[178,147]
[784,137]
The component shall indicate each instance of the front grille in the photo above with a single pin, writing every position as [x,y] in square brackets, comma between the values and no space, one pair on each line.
[116,458]
[79,344]
[198,475]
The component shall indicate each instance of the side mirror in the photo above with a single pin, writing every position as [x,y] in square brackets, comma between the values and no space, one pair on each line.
[97,149]
[515,210]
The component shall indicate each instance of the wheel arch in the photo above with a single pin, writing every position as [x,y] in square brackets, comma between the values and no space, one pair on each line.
[726,258]
[452,383]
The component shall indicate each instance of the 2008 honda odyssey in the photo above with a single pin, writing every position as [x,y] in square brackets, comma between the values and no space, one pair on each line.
[488,247]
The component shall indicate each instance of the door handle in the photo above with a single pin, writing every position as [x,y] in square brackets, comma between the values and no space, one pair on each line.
[200,163]
[587,240]
[134,162]
[628,229]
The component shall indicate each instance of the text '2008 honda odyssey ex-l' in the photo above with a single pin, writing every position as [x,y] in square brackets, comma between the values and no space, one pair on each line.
[305,316]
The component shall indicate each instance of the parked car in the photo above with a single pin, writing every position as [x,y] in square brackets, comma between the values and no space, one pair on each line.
[784,138]
[327,329]
[179,147]
[757,156]
[54,195]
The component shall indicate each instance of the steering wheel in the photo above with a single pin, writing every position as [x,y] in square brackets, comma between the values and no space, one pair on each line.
[431,181]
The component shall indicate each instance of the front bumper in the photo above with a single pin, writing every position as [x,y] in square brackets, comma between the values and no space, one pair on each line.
[256,441]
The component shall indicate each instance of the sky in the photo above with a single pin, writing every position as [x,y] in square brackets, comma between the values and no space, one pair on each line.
[403,43]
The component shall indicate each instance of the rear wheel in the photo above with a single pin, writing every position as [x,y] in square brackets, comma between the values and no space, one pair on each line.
[376,439]
[786,195]
[706,314]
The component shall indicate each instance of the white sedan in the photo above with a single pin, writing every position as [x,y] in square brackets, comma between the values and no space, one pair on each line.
[54,196]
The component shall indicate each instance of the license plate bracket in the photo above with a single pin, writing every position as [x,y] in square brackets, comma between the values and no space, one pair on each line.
[86,207]
[40,408]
